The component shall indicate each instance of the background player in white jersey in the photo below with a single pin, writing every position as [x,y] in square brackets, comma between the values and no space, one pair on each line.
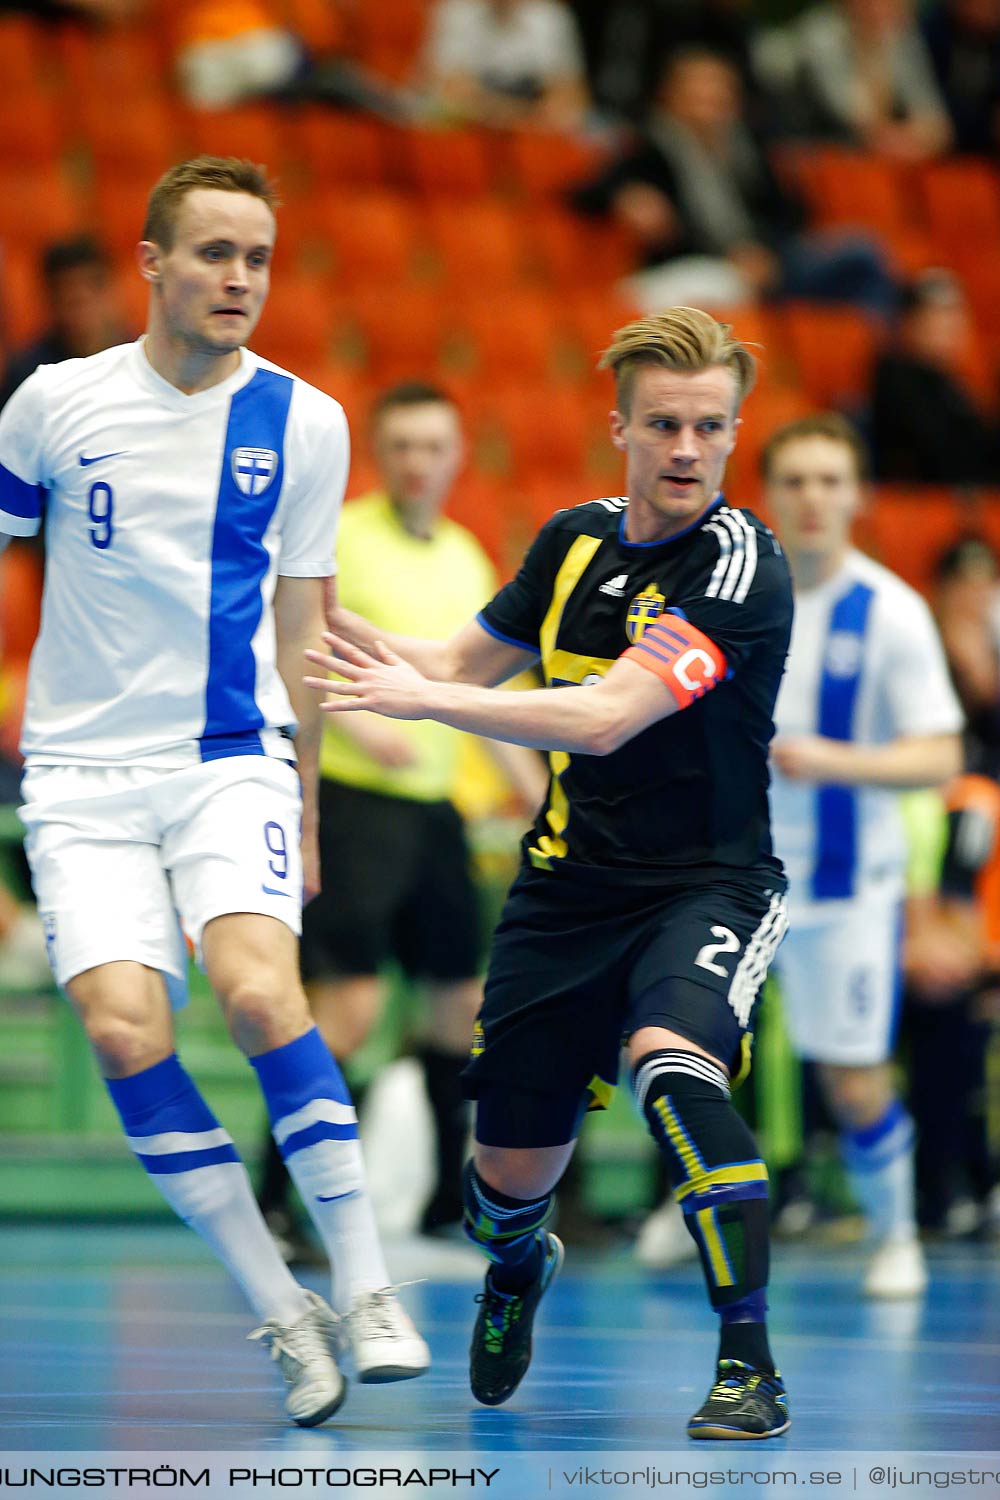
[865,708]
[190,493]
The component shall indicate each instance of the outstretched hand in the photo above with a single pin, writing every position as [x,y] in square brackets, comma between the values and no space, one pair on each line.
[382,683]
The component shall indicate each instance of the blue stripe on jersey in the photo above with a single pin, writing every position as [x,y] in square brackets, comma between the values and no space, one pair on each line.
[258,415]
[837,806]
[508,640]
[18,497]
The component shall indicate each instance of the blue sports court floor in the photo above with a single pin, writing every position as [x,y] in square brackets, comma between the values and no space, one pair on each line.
[130,1338]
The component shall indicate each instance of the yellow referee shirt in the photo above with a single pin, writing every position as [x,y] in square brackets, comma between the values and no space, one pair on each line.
[419,586]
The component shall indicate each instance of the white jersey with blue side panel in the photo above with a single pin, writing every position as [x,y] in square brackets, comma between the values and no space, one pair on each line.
[866,665]
[168,520]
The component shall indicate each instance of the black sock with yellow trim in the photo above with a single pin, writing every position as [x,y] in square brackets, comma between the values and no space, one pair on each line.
[720,1182]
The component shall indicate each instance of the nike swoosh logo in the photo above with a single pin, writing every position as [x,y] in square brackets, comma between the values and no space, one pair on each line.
[101,457]
[270,890]
[332,1198]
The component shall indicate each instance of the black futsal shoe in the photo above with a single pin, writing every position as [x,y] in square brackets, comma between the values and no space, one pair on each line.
[743,1403]
[500,1352]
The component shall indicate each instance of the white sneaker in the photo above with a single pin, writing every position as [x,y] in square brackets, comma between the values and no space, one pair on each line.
[897,1269]
[303,1349]
[663,1240]
[383,1340]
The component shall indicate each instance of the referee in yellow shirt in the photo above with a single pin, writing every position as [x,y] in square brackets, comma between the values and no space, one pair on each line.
[396,868]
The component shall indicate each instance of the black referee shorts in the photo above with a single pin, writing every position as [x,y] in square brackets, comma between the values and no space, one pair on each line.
[397,884]
[579,964]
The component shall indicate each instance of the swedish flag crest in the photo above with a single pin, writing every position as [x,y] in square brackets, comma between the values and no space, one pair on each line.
[643,610]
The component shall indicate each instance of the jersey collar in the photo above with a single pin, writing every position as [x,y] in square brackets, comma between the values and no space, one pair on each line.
[669,540]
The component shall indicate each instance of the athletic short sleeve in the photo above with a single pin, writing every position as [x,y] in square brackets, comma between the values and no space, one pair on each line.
[742,598]
[515,614]
[917,682]
[22,477]
[320,452]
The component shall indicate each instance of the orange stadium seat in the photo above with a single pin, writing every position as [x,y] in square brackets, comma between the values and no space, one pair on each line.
[592,318]
[20,602]
[907,528]
[546,428]
[297,325]
[404,335]
[833,347]
[544,165]
[768,407]
[153,140]
[388,37]
[23,52]
[482,504]
[115,64]
[847,188]
[480,242]
[37,204]
[374,234]
[962,203]
[256,131]
[576,252]
[23,312]
[446,161]
[514,337]
[31,127]
[340,148]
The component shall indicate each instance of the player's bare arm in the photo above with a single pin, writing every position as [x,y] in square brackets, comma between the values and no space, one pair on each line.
[592,720]
[910,761]
[298,620]
[471,655]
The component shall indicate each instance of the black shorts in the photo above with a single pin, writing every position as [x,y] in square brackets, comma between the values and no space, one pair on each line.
[397,884]
[579,964]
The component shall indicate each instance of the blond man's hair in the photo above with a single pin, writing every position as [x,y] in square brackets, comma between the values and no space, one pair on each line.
[228,174]
[679,338]
[824,424]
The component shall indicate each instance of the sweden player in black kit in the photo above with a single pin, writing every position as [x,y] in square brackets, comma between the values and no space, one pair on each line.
[649,902]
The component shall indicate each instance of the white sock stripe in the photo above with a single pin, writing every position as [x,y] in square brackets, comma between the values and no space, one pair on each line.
[170,1142]
[331,1110]
[752,968]
[677,1062]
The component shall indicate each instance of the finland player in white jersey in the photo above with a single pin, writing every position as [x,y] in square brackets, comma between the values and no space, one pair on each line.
[865,709]
[189,492]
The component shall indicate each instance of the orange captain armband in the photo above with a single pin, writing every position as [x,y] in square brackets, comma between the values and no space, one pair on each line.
[682,656]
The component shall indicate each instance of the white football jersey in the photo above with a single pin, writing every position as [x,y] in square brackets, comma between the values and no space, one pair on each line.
[865,664]
[168,519]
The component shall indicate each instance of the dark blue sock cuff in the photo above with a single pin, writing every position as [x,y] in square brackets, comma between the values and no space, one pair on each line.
[164,1094]
[749,1309]
[293,1075]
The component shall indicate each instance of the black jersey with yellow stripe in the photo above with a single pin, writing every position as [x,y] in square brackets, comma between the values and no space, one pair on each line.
[686,799]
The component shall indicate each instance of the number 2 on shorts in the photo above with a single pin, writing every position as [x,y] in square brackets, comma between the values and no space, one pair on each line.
[728,942]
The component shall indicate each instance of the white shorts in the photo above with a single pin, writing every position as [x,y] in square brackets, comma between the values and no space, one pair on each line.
[840,985]
[124,857]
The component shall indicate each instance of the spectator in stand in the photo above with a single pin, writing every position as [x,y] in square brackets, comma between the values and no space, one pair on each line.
[858,71]
[698,194]
[963,39]
[926,425]
[228,51]
[84,316]
[967,607]
[506,63]
[627,41]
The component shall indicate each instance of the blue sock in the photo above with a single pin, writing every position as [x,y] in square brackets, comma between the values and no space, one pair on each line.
[196,1167]
[316,1128]
[879,1161]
